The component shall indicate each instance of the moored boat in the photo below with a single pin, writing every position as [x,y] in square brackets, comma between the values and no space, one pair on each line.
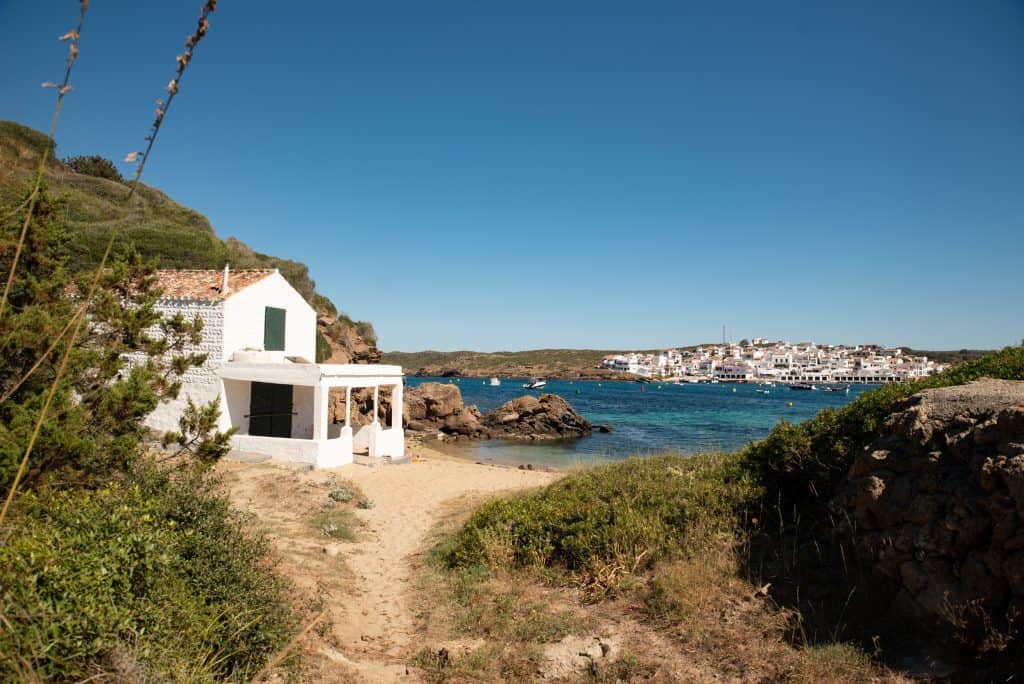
[802,386]
[535,383]
[495,382]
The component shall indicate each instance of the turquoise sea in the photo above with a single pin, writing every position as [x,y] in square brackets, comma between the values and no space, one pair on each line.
[685,418]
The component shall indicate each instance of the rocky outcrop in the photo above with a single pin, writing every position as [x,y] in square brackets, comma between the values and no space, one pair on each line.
[435,407]
[345,342]
[549,417]
[937,507]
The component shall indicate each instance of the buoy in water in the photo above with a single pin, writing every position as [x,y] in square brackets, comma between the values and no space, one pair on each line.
[577,391]
[641,388]
[789,403]
[733,389]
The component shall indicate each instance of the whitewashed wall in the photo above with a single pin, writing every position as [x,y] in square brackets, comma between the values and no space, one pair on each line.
[244,316]
[302,407]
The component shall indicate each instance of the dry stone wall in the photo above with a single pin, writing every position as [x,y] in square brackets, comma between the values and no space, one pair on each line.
[937,506]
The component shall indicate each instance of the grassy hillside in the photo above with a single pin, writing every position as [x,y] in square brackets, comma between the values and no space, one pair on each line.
[546,362]
[157,225]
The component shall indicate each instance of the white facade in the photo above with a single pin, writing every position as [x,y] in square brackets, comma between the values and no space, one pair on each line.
[802,362]
[236,324]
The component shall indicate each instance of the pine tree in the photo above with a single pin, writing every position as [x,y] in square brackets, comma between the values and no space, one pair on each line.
[126,359]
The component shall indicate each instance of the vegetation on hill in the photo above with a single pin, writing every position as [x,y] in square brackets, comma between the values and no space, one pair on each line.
[547,362]
[949,356]
[94,165]
[89,202]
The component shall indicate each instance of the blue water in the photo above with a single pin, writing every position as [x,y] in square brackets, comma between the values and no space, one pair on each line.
[684,418]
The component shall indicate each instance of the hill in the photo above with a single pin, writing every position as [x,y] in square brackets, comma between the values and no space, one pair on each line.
[159,227]
[549,363]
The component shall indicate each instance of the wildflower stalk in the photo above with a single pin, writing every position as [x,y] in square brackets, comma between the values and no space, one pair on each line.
[63,89]
[183,61]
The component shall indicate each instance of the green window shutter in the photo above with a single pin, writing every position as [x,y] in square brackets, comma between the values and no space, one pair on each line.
[273,329]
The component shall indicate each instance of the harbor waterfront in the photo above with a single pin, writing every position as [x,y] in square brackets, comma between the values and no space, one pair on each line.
[646,418]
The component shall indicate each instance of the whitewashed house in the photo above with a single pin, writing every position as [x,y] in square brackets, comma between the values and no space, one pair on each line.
[260,337]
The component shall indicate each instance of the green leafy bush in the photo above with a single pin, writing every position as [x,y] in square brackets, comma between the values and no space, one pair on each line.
[152,578]
[624,515]
[94,165]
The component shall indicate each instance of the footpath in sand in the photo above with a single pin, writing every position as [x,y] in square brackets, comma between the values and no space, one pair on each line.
[363,585]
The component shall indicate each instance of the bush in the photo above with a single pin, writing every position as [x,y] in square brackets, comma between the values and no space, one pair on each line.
[94,165]
[800,465]
[608,521]
[151,578]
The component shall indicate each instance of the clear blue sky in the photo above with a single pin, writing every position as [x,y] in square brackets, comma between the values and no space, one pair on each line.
[499,175]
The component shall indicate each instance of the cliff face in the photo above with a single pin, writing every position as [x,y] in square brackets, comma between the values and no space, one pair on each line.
[160,227]
[937,507]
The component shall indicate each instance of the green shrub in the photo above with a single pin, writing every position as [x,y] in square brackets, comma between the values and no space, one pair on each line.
[800,465]
[94,165]
[154,574]
[624,515]
[337,522]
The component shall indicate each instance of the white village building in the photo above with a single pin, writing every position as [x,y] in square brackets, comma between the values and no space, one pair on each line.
[259,335]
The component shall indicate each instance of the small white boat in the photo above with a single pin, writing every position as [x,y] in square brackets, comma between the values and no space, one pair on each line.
[763,391]
[535,383]
[495,382]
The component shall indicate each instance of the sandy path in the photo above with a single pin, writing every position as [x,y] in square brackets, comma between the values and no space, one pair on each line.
[372,624]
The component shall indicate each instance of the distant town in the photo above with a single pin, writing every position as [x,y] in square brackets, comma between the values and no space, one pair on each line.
[763,360]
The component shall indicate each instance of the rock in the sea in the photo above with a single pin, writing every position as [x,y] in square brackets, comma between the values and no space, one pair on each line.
[549,417]
[435,407]
[432,401]
[938,504]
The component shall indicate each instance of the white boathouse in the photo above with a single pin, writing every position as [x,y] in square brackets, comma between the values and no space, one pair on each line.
[259,335]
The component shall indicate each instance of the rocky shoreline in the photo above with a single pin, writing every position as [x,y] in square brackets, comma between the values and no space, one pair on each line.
[437,409]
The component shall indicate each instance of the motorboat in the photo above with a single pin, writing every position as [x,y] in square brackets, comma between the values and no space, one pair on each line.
[802,386]
[495,382]
[763,391]
[535,383]
[837,388]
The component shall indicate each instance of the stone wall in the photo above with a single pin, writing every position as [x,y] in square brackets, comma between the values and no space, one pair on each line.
[937,507]
[200,382]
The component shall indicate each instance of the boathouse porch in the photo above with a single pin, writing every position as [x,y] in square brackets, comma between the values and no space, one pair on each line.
[281,410]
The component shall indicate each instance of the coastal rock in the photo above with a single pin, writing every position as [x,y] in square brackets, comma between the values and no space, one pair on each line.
[527,417]
[938,506]
[432,401]
[435,407]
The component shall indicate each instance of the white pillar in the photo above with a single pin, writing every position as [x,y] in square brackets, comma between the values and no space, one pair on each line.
[348,407]
[320,394]
[396,406]
[376,403]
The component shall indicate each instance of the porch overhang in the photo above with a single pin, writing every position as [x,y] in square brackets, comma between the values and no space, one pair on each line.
[313,374]
[326,444]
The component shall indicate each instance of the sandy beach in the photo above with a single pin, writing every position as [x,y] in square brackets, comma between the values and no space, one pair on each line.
[363,586]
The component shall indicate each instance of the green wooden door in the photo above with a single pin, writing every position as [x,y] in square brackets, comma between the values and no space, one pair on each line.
[273,329]
[270,410]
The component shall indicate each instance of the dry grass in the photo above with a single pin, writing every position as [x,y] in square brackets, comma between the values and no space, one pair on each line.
[734,628]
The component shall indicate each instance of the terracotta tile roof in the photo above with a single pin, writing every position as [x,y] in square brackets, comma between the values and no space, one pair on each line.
[206,285]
